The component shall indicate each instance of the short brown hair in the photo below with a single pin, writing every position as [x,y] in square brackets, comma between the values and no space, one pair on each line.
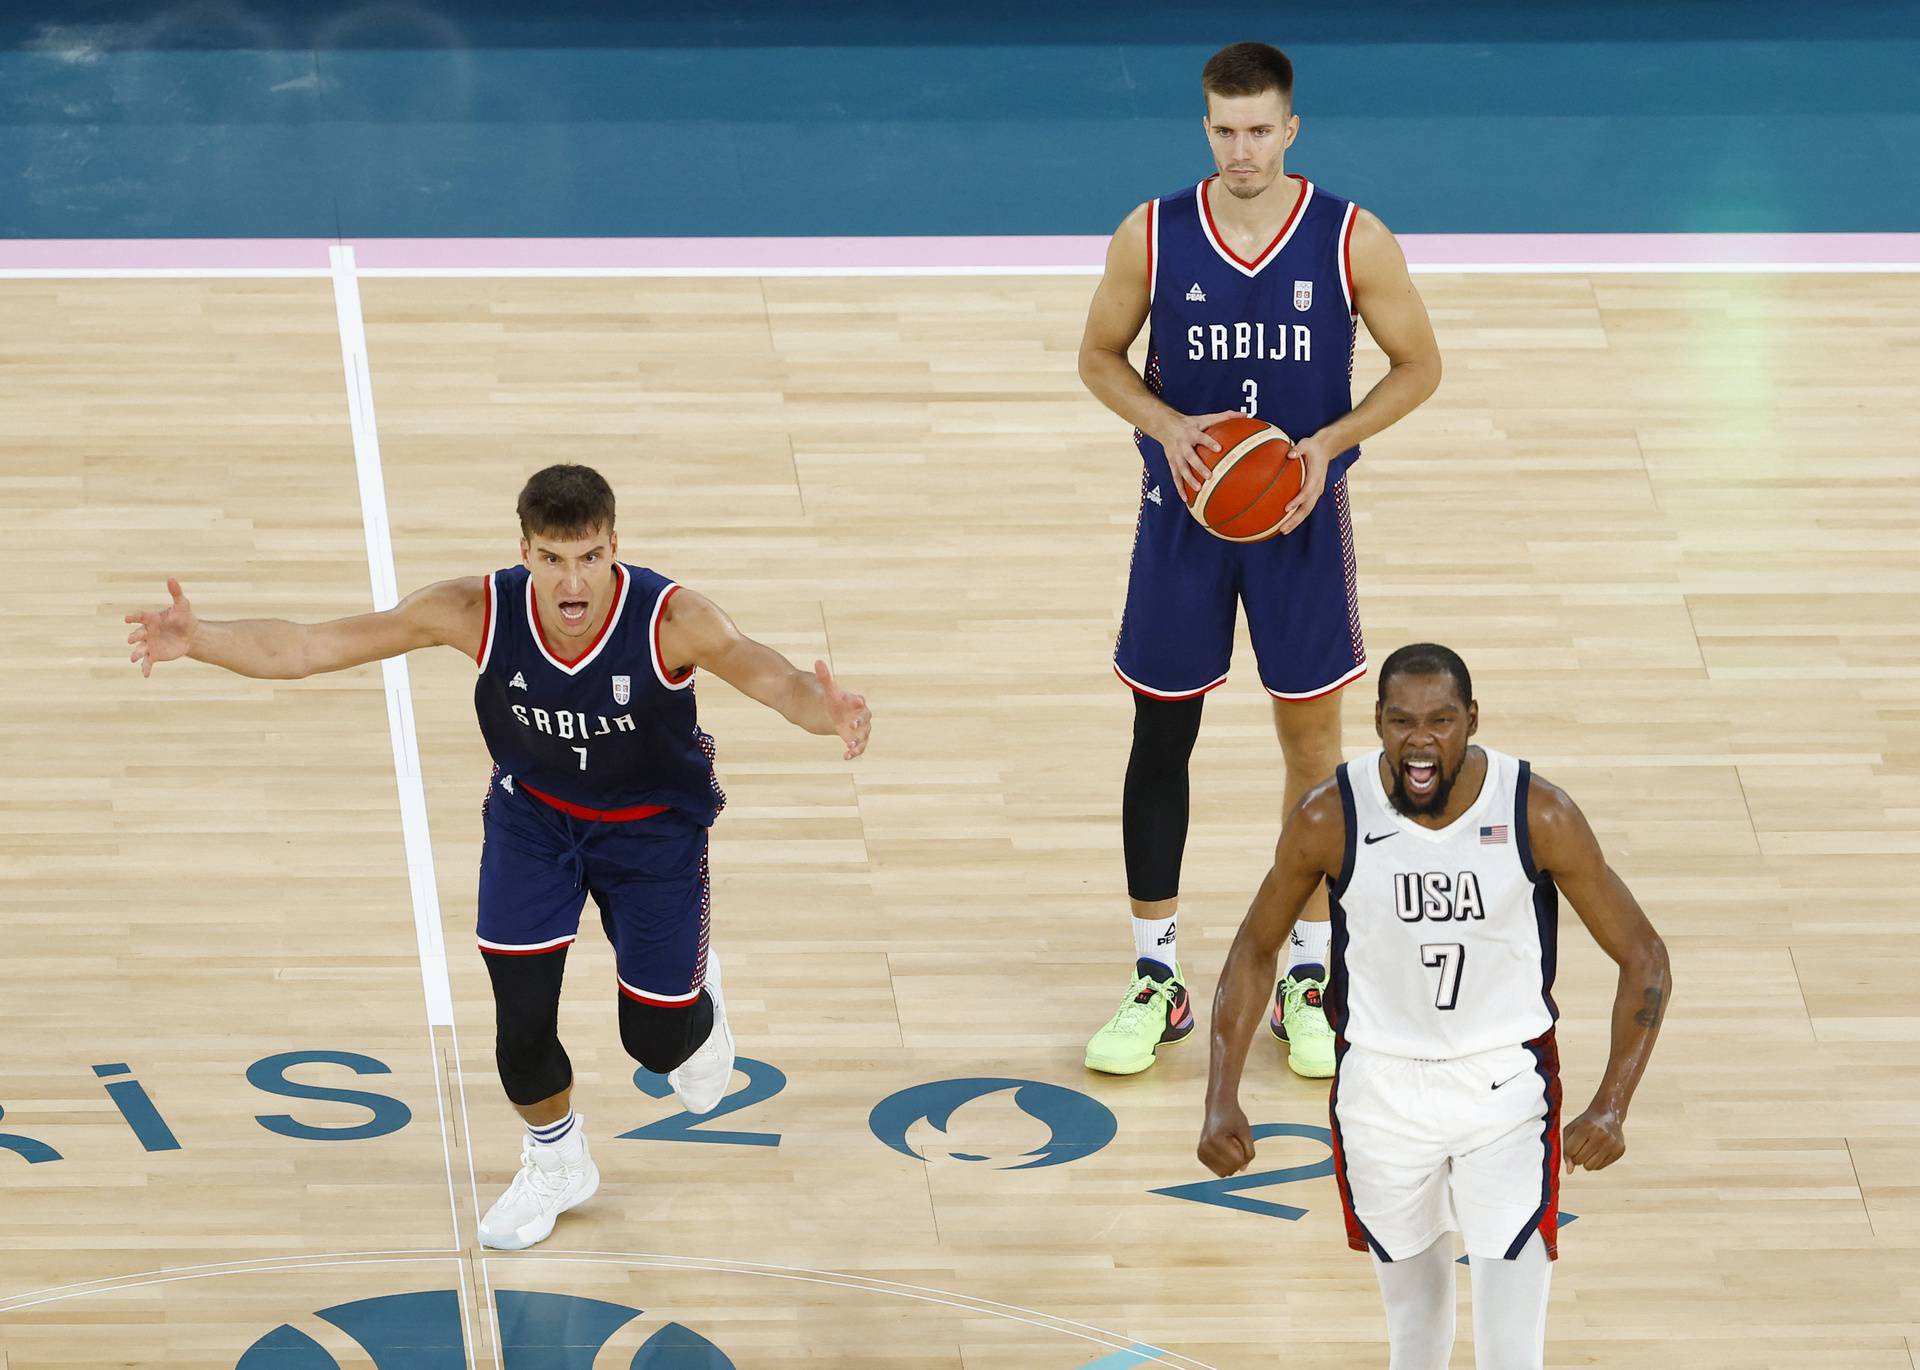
[1248,69]
[565,502]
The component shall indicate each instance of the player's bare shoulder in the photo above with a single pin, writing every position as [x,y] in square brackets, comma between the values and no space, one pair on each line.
[1315,835]
[1124,295]
[1129,253]
[449,613]
[1556,829]
[1134,228]
[1377,258]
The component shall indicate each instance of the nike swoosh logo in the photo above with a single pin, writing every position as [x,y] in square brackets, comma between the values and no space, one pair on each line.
[1371,838]
[1509,1080]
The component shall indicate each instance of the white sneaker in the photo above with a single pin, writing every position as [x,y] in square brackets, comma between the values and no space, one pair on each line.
[700,1082]
[552,1179]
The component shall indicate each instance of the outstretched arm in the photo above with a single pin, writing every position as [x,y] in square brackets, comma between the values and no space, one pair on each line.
[1565,848]
[694,631]
[1312,846]
[448,613]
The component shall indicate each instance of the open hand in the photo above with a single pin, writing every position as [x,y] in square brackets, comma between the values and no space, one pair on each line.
[851,717]
[162,636]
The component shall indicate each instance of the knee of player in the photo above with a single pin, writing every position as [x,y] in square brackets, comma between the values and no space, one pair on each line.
[1164,731]
[659,1036]
[533,1066]
[1309,733]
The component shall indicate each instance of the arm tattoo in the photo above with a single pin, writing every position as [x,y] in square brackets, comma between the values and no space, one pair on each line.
[1649,1016]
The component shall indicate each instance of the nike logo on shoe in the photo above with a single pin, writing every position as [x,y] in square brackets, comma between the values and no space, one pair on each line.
[1371,838]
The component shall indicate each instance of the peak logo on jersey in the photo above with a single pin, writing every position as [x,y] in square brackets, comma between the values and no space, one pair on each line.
[519,682]
[1303,295]
[1078,1125]
[622,689]
[1437,897]
[423,1331]
[1154,494]
[1197,295]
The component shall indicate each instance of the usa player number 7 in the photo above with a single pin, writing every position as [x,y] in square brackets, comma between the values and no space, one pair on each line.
[1448,958]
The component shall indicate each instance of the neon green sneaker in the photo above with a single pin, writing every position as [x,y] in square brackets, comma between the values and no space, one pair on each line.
[1300,1021]
[1154,1013]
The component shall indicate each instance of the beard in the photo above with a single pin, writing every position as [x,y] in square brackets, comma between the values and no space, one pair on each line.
[1433,803]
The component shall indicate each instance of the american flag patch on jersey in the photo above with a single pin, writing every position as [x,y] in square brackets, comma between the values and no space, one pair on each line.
[1496,836]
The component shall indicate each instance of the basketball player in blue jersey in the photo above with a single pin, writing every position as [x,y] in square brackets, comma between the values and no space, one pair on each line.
[1445,863]
[1250,284]
[603,784]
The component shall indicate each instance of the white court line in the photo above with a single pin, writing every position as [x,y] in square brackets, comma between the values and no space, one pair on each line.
[1572,268]
[406,746]
[493,1311]
[161,273]
[386,594]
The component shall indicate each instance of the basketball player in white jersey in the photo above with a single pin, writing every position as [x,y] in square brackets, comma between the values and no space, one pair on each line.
[1443,863]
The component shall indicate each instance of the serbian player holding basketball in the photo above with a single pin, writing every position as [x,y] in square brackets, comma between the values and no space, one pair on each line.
[1250,283]
[1445,862]
[603,784]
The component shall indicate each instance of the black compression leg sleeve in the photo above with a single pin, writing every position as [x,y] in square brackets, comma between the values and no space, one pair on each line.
[1153,808]
[526,1016]
[660,1038]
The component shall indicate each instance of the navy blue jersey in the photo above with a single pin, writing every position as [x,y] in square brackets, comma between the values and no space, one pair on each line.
[608,733]
[1272,337]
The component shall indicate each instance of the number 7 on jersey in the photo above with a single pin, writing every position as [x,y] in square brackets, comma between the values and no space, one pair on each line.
[1448,958]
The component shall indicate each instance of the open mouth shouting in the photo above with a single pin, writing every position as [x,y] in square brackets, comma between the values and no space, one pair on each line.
[573,612]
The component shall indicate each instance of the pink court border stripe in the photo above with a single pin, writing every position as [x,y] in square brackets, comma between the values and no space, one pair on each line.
[1067,255]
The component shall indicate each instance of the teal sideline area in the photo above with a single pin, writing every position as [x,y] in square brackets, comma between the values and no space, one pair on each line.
[446,118]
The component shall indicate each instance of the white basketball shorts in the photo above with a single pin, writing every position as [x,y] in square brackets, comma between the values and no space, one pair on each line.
[1469,1145]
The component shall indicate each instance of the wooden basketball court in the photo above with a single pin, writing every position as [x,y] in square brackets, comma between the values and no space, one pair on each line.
[1670,521]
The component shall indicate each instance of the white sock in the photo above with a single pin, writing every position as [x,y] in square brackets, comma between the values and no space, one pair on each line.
[552,1134]
[1310,944]
[1153,940]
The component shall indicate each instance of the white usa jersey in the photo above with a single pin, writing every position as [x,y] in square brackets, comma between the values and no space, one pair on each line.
[1443,939]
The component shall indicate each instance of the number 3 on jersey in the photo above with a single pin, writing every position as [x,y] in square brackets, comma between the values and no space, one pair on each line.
[1251,406]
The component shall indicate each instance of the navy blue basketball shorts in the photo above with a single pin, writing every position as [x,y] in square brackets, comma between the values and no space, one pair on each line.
[648,876]
[1303,611]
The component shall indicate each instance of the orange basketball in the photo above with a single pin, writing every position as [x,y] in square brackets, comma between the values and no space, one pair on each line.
[1250,481]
